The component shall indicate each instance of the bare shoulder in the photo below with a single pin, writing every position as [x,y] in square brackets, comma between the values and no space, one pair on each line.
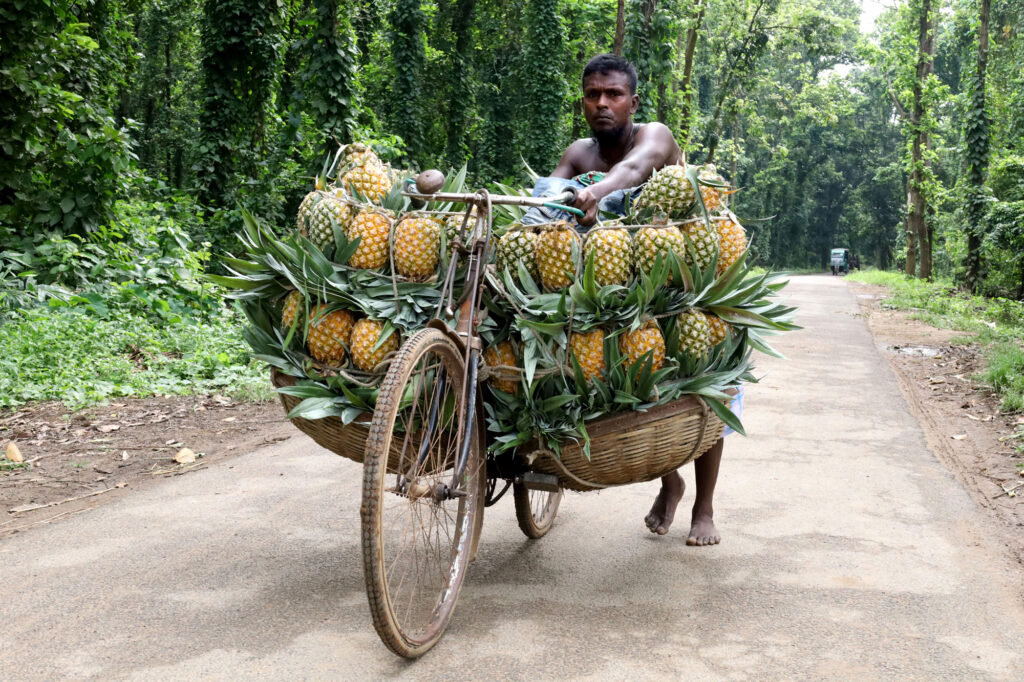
[658,136]
[579,157]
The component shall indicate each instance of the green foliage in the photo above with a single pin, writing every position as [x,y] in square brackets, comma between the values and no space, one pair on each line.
[1005,374]
[329,74]
[543,133]
[80,358]
[408,57]
[65,158]
[240,46]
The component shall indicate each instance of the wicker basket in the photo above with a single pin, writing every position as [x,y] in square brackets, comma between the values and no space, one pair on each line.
[628,447]
[633,447]
[329,432]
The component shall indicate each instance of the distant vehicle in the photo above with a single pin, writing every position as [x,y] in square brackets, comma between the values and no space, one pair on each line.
[842,261]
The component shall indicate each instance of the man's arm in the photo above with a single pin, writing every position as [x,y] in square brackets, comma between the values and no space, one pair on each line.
[654,148]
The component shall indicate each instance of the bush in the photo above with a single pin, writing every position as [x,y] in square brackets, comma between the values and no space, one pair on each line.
[79,357]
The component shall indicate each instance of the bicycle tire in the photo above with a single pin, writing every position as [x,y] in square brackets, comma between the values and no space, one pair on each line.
[416,544]
[535,509]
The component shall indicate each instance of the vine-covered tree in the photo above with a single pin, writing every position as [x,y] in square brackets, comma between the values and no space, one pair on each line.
[65,159]
[542,135]
[241,42]
[407,59]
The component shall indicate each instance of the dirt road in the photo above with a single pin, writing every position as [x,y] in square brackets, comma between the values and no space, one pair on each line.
[848,552]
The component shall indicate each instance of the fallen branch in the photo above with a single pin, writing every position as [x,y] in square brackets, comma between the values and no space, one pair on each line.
[1009,492]
[33,507]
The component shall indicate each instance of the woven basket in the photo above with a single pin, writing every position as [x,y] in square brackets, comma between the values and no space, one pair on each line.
[633,447]
[329,432]
[628,447]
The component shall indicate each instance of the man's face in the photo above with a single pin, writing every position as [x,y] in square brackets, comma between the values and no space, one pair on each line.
[607,104]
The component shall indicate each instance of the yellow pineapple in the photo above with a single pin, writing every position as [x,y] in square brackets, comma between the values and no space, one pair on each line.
[714,197]
[518,246]
[372,227]
[613,255]
[719,328]
[588,349]
[359,153]
[417,246]
[294,310]
[453,227]
[704,240]
[365,335]
[669,191]
[652,242]
[502,354]
[694,332]
[732,241]
[556,260]
[365,174]
[648,338]
[329,334]
[326,210]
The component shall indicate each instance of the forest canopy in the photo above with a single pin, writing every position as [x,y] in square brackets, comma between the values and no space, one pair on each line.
[902,142]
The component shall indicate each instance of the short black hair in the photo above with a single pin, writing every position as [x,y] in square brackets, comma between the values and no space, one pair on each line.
[609,63]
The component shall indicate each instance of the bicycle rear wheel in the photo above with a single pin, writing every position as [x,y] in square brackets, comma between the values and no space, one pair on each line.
[418,528]
[535,509]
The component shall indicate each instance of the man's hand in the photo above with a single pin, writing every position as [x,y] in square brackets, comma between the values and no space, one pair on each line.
[587,202]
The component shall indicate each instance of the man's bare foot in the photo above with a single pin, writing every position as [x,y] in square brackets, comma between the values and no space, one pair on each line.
[703,531]
[663,512]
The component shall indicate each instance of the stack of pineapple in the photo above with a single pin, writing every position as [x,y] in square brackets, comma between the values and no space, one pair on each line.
[633,313]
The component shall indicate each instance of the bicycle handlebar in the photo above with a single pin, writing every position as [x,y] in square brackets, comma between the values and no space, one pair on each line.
[556,202]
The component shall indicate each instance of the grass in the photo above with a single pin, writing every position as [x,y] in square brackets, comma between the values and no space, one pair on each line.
[79,358]
[997,325]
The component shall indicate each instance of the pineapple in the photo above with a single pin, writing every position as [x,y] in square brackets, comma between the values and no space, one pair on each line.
[453,226]
[669,191]
[714,197]
[588,349]
[502,354]
[365,335]
[733,241]
[417,246]
[613,255]
[705,243]
[358,153]
[366,175]
[372,227]
[694,333]
[651,242]
[325,211]
[718,327]
[329,334]
[518,246]
[307,203]
[556,261]
[633,345]
[294,310]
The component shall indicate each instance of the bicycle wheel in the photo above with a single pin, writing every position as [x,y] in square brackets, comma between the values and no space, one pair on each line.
[535,509]
[417,528]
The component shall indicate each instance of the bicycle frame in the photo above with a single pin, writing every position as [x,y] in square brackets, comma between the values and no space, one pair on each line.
[472,296]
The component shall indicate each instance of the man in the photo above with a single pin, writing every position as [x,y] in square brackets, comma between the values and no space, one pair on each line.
[605,168]
[619,156]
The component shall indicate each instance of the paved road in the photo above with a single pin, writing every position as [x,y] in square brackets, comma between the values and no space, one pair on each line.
[849,552]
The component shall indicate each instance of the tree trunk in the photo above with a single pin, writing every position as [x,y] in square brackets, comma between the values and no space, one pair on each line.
[684,85]
[916,199]
[976,134]
[168,112]
[911,265]
[620,28]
